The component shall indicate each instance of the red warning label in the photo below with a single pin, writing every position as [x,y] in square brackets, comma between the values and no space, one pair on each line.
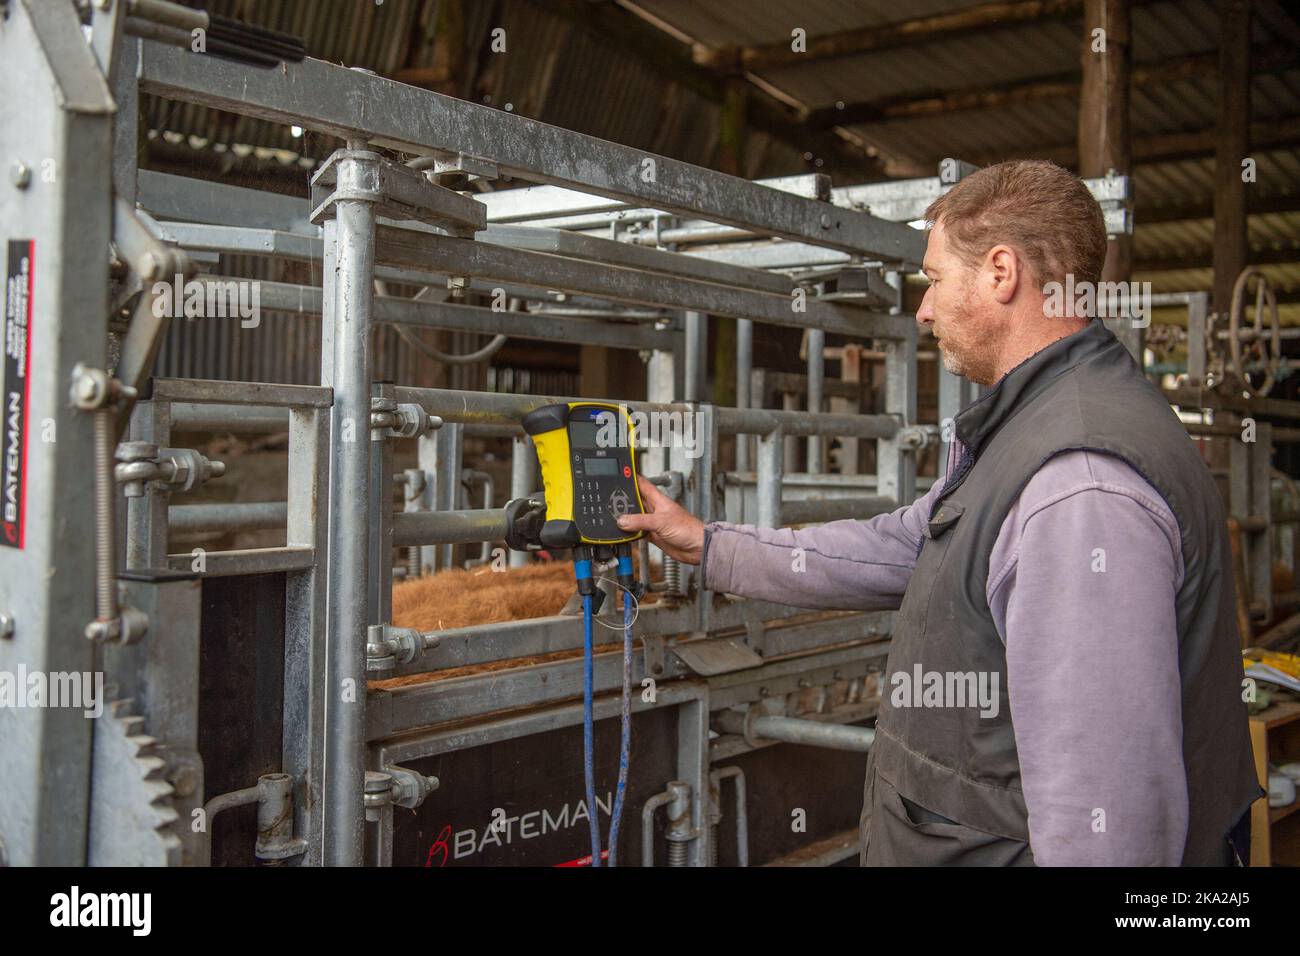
[15,394]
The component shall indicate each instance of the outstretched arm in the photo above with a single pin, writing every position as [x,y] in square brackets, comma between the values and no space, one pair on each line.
[849,564]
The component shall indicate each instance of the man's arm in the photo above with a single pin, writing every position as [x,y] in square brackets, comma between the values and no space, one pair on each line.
[1082,586]
[849,564]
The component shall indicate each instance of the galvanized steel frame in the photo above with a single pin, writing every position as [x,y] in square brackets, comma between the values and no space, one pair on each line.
[340,531]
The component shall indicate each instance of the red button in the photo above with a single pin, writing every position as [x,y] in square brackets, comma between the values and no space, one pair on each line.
[627,471]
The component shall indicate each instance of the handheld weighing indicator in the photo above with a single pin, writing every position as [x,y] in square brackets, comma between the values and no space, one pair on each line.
[588,464]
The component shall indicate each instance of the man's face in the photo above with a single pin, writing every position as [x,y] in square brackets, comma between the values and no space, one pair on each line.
[968,325]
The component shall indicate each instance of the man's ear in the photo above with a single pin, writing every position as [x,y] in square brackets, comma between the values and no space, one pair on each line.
[1004,273]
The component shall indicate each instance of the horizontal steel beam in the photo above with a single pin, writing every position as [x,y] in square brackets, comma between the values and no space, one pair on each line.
[499,408]
[448,527]
[353,105]
[611,252]
[211,391]
[811,510]
[535,202]
[231,516]
[228,418]
[201,200]
[307,300]
[467,257]
[218,564]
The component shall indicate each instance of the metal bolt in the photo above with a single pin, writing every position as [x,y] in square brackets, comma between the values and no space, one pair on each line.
[149,266]
[86,388]
[6,625]
[20,174]
[825,221]
[185,781]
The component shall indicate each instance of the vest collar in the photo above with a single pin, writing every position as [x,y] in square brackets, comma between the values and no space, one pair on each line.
[982,418]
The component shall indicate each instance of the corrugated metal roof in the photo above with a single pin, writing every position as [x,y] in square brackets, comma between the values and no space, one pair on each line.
[560,73]
[721,23]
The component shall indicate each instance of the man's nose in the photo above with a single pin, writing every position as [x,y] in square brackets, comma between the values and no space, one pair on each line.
[925,314]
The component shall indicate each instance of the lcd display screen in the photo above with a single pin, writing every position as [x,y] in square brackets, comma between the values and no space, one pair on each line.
[600,466]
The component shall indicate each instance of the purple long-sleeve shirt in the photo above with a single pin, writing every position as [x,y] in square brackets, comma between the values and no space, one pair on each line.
[1081,585]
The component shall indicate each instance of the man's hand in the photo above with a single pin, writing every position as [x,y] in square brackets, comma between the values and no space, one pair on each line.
[670,526]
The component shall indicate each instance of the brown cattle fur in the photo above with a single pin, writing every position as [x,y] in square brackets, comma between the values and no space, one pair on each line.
[461,598]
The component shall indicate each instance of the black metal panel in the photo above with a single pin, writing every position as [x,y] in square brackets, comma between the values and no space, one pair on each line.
[538,782]
[241,693]
[534,786]
[826,785]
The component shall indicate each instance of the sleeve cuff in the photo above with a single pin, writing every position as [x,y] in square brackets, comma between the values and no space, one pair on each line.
[704,558]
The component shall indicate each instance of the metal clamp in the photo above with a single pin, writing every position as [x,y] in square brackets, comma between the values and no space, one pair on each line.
[142,463]
[397,787]
[399,193]
[388,419]
[917,437]
[387,646]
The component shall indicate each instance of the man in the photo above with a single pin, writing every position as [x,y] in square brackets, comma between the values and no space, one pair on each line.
[1073,562]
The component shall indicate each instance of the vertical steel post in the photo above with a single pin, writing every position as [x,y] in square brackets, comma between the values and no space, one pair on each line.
[771,473]
[816,387]
[350,268]
[449,444]
[146,517]
[303,741]
[381,518]
[744,369]
[693,769]
[1198,308]
[522,480]
[895,465]
[697,334]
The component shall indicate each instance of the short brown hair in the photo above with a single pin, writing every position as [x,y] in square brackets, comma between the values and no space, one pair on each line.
[1041,210]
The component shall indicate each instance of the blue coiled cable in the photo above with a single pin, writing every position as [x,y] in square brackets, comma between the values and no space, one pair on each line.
[625,740]
[588,730]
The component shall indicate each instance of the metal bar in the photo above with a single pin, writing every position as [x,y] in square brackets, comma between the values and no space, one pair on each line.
[744,368]
[771,467]
[419,528]
[816,380]
[201,200]
[611,252]
[304,300]
[333,99]
[813,510]
[234,516]
[499,408]
[218,564]
[523,482]
[146,516]
[349,268]
[467,257]
[209,391]
[697,336]
[303,739]
[188,416]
